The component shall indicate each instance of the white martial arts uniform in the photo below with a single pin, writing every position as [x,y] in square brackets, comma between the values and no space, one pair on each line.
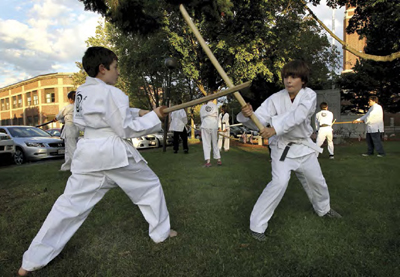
[292,123]
[209,129]
[323,123]
[69,133]
[103,160]
[223,124]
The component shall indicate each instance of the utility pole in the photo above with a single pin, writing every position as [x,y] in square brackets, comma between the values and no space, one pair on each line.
[171,64]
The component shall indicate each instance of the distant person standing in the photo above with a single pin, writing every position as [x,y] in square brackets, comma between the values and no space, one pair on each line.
[209,132]
[70,132]
[177,125]
[223,129]
[374,121]
[323,126]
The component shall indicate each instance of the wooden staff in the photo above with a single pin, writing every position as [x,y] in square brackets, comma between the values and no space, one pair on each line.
[207,98]
[343,122]
[216,63]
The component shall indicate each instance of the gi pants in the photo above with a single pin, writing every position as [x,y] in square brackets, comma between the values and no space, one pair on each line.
[70,147]
[325,133]
[82,193]
[210,137]
[224,139]
[307,170]
[374,141]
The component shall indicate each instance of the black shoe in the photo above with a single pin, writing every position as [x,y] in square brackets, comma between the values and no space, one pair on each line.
[186,151]
[175,151]
[332,214]
[258,236]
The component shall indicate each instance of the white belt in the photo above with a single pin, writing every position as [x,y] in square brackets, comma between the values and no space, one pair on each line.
[99,133]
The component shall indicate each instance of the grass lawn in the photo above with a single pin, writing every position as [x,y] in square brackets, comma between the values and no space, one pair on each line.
[210,208]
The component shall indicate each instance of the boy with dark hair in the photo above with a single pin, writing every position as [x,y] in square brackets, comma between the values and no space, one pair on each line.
[323,126]
[289,113]
[69,132]
[178,126]
[104,159]
[375,127]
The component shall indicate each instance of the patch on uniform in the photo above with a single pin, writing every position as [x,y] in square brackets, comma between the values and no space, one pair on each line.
[208,109]
[78,105]
[324,114]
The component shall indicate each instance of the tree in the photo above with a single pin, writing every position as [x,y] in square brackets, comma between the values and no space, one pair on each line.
[378,22]
[251,39]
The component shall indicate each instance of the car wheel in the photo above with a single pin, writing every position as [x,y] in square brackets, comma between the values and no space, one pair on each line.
[197,136]
[158,144]
[19,156]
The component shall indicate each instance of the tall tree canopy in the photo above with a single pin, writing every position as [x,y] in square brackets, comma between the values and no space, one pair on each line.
[251,39]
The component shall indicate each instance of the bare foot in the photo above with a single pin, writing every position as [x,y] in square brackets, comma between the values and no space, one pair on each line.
[172,233]
[23,272]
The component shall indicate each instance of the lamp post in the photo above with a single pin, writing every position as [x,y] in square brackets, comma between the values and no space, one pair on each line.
[171,64]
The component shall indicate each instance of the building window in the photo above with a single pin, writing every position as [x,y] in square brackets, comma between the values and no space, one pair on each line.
[29,120]
[3,106]
[28,99]
[20,121]
[7,103]
[50,95]
[14,99]
[19,101]
[35,98]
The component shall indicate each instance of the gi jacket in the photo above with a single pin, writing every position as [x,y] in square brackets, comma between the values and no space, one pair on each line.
[66,116]
[103,112]
[209,116]
[374,119]
[292,121]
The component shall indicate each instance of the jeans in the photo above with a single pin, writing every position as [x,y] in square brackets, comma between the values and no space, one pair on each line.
[374,141]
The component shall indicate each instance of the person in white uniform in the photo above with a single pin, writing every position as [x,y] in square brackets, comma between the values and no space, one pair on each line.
[375,127]
[70,132]
[178,126]
[104,159]
[323,126]
[223,129]
[289,112]
[209,132]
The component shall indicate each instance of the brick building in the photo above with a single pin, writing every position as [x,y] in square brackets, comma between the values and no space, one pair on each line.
[36,100]
[353,40]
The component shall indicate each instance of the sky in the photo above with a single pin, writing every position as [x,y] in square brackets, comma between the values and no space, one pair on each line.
[47,36]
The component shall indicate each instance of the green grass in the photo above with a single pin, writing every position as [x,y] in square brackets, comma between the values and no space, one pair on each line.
[210,208]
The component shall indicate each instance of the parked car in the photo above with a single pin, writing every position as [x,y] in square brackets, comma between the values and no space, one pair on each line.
[55,132]
[33,143]
[152,140]
[237,131]
[7,147]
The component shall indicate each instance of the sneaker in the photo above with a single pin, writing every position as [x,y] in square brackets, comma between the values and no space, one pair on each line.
[332,214]
[207,165]
[380,156]
[258,236]
[365,155]
[219,163]
[331,157]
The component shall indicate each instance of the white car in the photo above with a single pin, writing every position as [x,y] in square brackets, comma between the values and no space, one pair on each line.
[152,140]
[7,146]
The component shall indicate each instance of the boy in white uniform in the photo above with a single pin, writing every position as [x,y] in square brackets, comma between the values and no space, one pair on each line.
[323,126]
[209,132]
[70,132]
[289,113]
[103,160]
[223,129]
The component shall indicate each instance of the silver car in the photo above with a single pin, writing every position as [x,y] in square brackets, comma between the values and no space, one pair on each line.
[32,143]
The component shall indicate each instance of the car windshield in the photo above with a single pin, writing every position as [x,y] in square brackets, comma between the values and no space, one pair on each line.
[27,132]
